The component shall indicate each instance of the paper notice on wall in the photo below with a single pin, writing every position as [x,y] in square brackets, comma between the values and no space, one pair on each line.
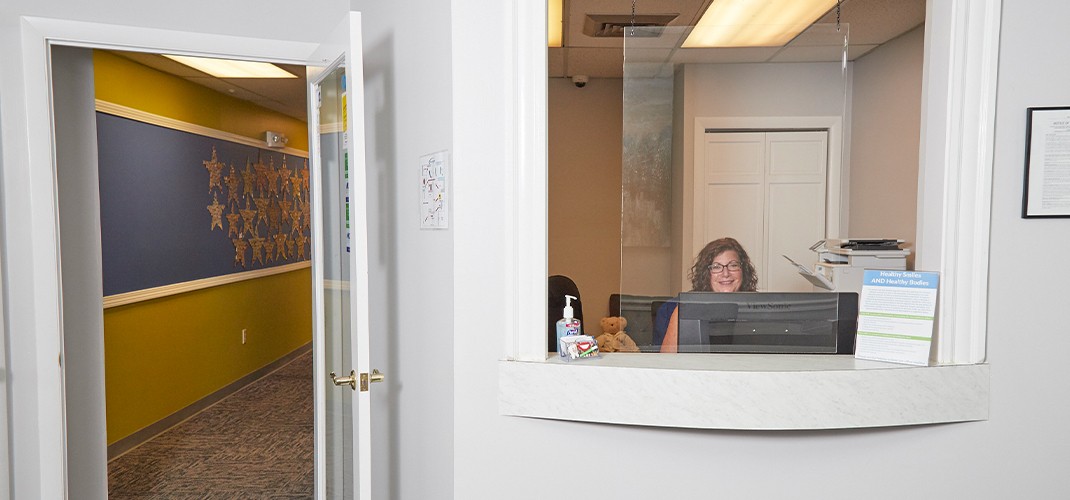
[895,316]
[434,181]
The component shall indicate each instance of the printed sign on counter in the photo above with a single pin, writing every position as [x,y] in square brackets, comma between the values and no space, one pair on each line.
[895,316]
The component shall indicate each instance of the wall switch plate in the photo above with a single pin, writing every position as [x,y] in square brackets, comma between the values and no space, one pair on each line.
[243,336]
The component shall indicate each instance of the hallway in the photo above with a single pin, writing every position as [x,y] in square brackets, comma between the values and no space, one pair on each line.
[255,443]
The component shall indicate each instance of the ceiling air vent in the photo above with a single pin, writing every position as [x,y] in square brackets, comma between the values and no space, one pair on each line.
[613,25]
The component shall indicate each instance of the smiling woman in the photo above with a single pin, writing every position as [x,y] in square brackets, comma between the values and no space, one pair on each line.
[722,266]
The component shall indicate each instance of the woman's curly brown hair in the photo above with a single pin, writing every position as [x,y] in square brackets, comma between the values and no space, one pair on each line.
[700,272]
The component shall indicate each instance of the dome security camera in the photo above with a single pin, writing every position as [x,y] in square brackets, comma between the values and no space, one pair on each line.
[579,81]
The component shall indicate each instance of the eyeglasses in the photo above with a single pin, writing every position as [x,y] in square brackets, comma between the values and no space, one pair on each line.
[733,267]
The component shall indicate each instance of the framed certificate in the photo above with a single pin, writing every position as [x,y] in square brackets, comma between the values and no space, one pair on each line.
[1047,163]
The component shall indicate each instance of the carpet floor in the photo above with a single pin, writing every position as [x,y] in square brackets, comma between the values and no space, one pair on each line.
[255,443]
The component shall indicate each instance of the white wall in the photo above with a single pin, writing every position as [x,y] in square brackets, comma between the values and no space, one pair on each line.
[885,119]
[1023,451]
[409,111]
[83,309]
[1027,339]
[408,114]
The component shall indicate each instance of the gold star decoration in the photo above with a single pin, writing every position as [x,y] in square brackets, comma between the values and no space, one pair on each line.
[239,251]
[272,179]
[269,250]
[262,204]
[261,178]
[284,210]
[295,185]
[215,173]
[233,223]
[284,175]
[274,214]
[301,241]
[295,221]
[232,180]
[217,213]
[248,180]
[280,247]
[259,194]
[247,215]
[258,249]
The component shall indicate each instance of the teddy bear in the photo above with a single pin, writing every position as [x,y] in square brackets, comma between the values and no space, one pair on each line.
[613,337]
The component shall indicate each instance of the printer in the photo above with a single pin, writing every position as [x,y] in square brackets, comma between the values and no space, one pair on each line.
[841,263]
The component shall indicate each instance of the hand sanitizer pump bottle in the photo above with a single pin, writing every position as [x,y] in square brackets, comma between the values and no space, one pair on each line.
[567,325]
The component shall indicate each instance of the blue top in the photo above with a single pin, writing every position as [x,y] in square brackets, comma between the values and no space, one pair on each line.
[661,321]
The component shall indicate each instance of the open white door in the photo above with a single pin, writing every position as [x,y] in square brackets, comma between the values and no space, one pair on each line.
[340,266]
[340,270]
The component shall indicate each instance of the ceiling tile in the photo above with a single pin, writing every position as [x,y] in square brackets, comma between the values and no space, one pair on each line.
[555,58]
[877,21]
[596,63]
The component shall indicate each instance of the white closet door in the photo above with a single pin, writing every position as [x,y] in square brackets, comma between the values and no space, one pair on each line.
[767,190]
[795,207]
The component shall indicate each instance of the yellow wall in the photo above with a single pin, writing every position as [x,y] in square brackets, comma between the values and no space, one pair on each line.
[122,81]
[165,354]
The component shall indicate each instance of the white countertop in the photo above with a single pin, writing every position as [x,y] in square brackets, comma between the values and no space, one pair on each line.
[743,391]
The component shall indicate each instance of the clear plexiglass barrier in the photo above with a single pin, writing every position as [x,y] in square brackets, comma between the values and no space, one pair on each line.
[744,143]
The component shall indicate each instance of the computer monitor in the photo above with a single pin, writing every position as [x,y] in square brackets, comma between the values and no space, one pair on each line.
[768,322]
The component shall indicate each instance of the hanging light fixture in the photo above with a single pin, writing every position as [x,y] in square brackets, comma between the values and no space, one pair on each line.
[755,23]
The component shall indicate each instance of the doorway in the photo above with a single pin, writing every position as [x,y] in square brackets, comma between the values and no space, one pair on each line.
[84,341]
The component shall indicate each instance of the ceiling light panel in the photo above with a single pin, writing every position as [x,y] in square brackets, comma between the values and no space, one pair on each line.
[755,23]
[224,68]
[554,19]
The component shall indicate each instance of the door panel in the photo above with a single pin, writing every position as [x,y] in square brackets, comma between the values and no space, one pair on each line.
[734,210]
[796,220]
[798,153]
[736,153]
[795,207]
[340,265]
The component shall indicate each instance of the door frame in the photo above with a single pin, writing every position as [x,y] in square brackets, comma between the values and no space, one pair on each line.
[38,442]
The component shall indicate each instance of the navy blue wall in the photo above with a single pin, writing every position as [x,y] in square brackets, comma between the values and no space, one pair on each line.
[156,228]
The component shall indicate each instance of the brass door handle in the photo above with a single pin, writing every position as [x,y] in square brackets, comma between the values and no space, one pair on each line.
[365,379]
[376,376]
[351,380]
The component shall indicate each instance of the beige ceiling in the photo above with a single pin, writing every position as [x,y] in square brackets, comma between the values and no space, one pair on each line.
[870,23]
